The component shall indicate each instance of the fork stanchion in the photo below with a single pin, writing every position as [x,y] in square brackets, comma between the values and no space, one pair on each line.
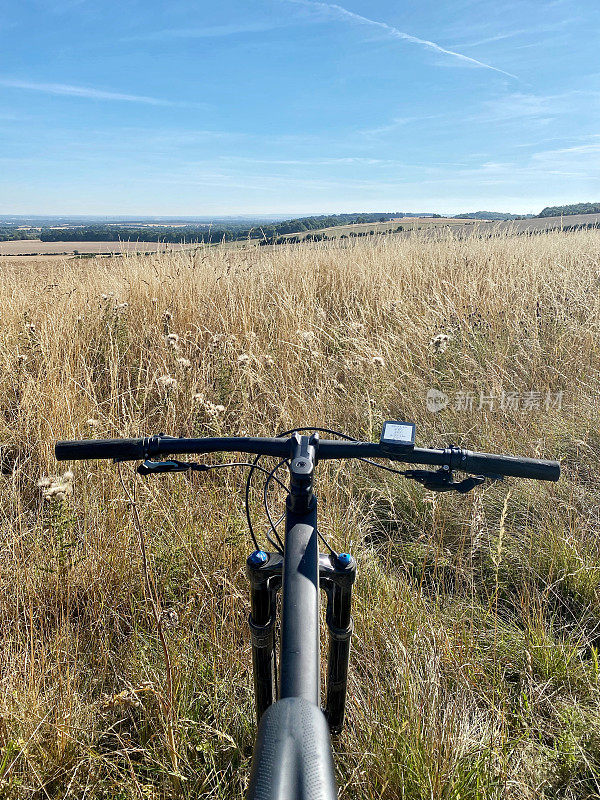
[340,624]
[337,676]
[262,630]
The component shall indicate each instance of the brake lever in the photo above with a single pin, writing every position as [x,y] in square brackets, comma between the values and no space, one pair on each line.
[441,480]
[156,467]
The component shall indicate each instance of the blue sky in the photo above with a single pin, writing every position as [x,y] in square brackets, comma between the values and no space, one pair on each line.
[294,107]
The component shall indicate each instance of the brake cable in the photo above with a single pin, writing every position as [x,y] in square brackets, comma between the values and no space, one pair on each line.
[272,476]
[172,465]
[440,480]
[255,465]
[436,481]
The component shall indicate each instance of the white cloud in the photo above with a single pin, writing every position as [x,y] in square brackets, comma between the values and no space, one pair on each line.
[584,157]
[8,116]
[520,105]
[497,38]
[210,32]
[538,109]
[310,161]
[81,91]
[333,9]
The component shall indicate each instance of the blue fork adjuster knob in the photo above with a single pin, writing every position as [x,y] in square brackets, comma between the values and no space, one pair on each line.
[258,558]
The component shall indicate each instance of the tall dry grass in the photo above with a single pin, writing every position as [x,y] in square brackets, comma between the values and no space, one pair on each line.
[475,666]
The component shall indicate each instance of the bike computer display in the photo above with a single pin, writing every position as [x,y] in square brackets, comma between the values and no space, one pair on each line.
[398,435]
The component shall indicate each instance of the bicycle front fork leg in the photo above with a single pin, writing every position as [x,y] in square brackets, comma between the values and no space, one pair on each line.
[262,630]
[340,624]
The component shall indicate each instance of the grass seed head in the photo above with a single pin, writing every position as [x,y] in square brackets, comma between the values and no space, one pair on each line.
[440,342]
[172,341]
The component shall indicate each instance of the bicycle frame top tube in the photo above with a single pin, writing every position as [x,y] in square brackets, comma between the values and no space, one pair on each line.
[300,602]
[292,756]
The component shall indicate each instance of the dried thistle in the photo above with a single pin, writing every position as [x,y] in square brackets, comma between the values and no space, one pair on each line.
[357,327]
[57,488]
[440,342]
[170,618]
[172,341]
[167,381]
[210,409]
[166,320]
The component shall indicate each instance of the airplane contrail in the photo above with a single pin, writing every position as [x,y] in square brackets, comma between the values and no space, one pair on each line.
[343,13]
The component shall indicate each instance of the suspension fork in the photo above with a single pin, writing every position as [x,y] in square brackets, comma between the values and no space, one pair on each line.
[298,573]
[336,578]
[301,572]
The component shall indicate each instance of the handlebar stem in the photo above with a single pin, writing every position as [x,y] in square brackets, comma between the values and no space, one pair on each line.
[302,467]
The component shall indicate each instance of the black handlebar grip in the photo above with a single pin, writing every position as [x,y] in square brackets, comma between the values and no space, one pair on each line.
[125,449]
[513,466]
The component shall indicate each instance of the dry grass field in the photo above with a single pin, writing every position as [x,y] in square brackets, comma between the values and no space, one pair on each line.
[475,669]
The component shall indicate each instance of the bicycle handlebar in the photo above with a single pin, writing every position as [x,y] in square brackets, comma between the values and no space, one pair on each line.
[452,457]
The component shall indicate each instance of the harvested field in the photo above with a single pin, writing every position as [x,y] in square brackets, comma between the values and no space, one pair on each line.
[36,247]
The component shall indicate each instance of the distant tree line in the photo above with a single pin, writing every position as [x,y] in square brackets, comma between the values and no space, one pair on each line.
[112,233]
[575,208]
[197,234]
[323,221]
[11,234]
[491,215]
